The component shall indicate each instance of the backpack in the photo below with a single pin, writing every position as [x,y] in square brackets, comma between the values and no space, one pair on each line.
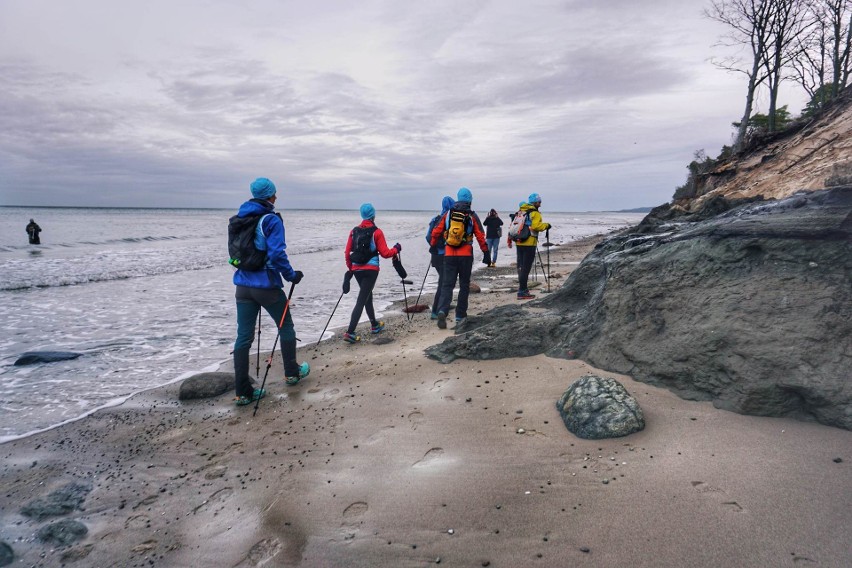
[456,233]
[241,248]
[362,245]
[519,228]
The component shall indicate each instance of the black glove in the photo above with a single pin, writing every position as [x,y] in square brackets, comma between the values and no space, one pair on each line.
[398,248]
[486,259]
[397,264]
[549,226]
[346,281]
[298,278]
[433,250]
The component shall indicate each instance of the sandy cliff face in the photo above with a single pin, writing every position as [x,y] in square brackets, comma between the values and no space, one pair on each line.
[741,295]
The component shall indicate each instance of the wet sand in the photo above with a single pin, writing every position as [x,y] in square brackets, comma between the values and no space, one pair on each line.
[382,457]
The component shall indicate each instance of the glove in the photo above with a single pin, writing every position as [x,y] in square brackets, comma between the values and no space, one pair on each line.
[346,281]
[549,226]
[433,250]
[398,248]
[298,278]
[485,259]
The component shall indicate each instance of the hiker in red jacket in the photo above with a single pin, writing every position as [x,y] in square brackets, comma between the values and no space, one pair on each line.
[365,245]
[457,229]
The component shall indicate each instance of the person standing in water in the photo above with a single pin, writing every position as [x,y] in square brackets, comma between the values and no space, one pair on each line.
[262,289]
[493,231]
[365,245]
[32,231]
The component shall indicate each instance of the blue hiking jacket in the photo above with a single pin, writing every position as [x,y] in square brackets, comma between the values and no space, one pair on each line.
[269,237]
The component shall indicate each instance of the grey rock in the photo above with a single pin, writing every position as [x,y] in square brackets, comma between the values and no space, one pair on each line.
[33,357]
[746,304]
[62,533]
[60,502]
[598,407]
[7,555]
[383,340]
[206,385]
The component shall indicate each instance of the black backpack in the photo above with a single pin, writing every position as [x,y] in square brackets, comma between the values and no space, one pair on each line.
[241,233]
[362,241]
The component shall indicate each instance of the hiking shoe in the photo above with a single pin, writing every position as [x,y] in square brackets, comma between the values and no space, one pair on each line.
[244,400]
[434,316]
[351,337]
[442,320]
[525,295]
[378,327]
[304,371]
[459,320]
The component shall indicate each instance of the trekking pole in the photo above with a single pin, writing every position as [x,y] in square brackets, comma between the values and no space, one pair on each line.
[400,270]
[274,345]
[546,279]
[535,266]
[346,280]
[547,245]
[257,367]
[428,266]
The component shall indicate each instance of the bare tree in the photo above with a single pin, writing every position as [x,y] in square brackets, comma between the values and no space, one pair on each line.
[788,23]
[823,61]
[750,25]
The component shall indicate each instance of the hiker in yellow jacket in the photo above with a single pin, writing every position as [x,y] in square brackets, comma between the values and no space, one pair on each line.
[526,248]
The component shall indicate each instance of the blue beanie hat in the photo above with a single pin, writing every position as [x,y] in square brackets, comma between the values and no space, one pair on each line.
[464,195]
[368,211]
[262,188]
[534,198]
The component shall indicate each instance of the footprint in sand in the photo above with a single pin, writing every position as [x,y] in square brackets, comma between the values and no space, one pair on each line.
[355,510]
[718,494]
[137,522]
[415,418]
[380,435]
[217,498]
[264,551]
[438,384]
[328,395]
[431,458]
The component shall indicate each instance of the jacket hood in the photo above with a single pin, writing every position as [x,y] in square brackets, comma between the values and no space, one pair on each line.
[528,207]
[255,207]
[462,206]
[447,204]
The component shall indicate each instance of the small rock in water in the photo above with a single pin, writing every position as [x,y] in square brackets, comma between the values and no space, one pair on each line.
[838,460]
[32,357]
[7,555]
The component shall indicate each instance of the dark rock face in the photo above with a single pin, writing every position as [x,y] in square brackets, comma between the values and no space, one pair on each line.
[7,555]
[62,533]
[62,501]
[206,385]
[596,407]
[749,306]
[33,357]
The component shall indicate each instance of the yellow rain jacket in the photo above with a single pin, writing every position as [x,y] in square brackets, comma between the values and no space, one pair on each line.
[536,226]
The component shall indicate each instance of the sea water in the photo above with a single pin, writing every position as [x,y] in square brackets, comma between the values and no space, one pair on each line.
[146,296]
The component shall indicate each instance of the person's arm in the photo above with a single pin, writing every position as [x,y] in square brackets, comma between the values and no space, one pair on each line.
[276,246]
[438,231]
[382,246]
[536,223]
[347,251]
[479,233]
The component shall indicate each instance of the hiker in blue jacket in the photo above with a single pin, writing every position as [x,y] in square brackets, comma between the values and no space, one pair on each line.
[263,289]
[437,252]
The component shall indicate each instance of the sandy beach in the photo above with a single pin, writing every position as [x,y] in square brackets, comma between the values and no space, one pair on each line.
[383,457]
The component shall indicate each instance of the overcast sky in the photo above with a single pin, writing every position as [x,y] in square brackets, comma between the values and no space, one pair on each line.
[595,105]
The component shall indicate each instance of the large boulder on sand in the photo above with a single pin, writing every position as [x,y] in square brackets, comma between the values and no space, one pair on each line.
[747,304]
[62,533]
[595,408]
[59,502]
[206,385]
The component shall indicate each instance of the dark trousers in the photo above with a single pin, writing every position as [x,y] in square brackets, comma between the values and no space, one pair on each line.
[526,258]
[249,302]
[456,267]
[366,282]
[438,263]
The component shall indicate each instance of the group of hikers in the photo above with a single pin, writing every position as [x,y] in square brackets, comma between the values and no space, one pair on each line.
[257,247]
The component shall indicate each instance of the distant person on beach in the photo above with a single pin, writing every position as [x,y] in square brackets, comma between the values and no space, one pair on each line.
[437,251]
[33,230]
[526,248]
[457,228]
[493,231]
[365,245]
[263,289]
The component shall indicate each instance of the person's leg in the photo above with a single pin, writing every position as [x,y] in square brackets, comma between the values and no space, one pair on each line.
[368,282]
[273,301]
[364,293]
[450,275]
[465,266]
[438,263]
[246,316]
[492,249]
[526,256]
